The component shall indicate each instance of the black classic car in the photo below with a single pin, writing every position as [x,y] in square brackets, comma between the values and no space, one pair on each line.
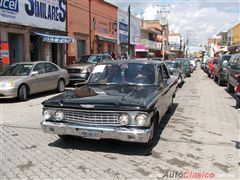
[175,68]
[233,73]
[186,66]
[220,68]
[122,100]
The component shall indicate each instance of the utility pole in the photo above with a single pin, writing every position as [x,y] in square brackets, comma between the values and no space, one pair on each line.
[90,26]
[129,29]
[187,45]
[163,11]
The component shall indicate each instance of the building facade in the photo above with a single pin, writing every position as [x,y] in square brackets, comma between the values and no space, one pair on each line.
[103,35]
[153,40]
[78,28]
[234,39]
[33,31]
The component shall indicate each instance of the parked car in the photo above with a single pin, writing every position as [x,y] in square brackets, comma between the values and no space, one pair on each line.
[233,72]
[81,69]
[202,65]
[194,65]
[185,65]
[211,65]
[122,100]
[26,78]
[206,66]
[220,75]
[176,69]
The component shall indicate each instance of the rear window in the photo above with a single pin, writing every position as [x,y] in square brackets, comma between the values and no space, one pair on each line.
[226,58]
[235,62]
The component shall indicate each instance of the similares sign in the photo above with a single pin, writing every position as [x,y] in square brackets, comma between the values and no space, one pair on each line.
[49,14]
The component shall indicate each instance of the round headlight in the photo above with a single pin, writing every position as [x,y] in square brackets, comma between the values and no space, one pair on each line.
[124,119]
[141,119]
[46,115]
[59,115]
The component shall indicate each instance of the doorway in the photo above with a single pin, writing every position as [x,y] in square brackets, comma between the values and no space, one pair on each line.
[16,50]
[81,48]
[35,48]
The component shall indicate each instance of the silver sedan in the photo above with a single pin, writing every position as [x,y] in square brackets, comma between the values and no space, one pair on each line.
[25,78]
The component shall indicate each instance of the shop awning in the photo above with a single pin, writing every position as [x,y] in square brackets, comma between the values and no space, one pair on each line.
[108,39]
[55,39]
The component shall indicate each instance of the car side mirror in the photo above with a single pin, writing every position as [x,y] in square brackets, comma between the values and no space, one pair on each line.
[34,73]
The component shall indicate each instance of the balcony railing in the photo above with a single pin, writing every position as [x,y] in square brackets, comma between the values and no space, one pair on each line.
[151,44]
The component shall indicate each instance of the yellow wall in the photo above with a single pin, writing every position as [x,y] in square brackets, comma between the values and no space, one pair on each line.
[236,34]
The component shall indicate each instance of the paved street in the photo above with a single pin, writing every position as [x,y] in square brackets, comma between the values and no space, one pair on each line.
[202,135]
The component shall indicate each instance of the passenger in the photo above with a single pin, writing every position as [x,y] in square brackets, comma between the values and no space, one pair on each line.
[114,75]
[145,76]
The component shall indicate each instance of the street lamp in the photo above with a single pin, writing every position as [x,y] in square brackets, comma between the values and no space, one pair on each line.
[114,25]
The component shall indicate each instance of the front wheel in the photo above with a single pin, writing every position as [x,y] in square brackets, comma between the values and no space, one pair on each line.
[215,77]
[152,134]
[22,93]
[61,86]
[219,81]
[230,88]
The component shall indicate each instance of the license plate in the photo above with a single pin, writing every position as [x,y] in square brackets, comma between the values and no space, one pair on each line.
[89,134]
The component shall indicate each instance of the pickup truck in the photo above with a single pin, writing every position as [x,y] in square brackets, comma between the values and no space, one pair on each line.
[122,100]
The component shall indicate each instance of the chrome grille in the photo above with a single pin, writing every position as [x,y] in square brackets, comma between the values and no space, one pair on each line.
[74,70]
[85,117]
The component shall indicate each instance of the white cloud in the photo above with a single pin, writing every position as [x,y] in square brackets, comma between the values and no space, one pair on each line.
[199,22]
[202,19]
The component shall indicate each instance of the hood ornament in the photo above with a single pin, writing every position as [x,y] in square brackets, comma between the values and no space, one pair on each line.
[87,105]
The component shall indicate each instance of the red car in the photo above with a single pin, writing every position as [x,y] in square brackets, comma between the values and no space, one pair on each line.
[211,64]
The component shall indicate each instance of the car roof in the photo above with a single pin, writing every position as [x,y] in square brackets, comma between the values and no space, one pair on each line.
[35,62]
[134,61]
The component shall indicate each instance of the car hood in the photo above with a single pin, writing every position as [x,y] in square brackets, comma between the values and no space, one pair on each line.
[79,65]
[106,97]
[11,78]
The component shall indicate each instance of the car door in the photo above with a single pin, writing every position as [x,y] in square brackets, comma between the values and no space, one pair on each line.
[161,105]
[167,81]
[52,76]
[217,68]
[35,81]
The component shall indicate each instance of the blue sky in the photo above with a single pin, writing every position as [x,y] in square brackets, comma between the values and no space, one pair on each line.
[201,18]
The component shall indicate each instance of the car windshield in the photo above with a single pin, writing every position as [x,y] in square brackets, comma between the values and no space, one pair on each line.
[123,73]
[186,63]
[172,64]
[225,60]
[93,59]
[18,70]
[225,63]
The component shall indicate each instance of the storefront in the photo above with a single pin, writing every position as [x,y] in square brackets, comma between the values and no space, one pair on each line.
[34,36]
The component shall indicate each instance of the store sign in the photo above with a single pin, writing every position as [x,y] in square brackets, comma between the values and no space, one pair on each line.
[4,52]
[102,28]
[49,14]
[122,26]
[135,30]
[174,42]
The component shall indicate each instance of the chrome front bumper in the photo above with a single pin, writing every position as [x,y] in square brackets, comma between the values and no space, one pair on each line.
[78,77]
[117,133]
